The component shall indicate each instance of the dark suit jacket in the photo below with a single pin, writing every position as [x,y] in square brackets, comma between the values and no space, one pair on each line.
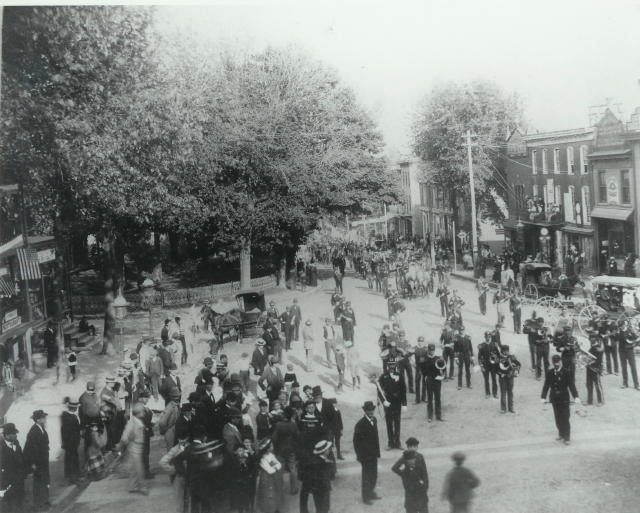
[558,384]
[170,385]
[36,449]
[183,428]
[365,440]
[12,467]
[69,431]
[329,415]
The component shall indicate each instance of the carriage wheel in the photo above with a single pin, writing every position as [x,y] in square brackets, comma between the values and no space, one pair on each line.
[544,302]
[588,313]
[531,291]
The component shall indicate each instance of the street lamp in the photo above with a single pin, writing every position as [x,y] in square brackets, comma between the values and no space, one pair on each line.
[544,240]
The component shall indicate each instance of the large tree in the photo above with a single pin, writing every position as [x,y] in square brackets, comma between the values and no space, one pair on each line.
[439,137]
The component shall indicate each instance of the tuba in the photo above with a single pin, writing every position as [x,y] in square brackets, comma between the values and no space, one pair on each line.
[441,365]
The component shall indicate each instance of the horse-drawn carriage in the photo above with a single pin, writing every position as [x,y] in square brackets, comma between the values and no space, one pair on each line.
[538,282]
[238,322]
[413,280]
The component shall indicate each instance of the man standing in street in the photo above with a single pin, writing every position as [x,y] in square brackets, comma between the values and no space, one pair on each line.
[420,357]
[50,345]
[133,439]
[483,288]
[434,378]
[309,343]
[366,445]
[348,322]
[70,435]
[459,484]
[487,368]
[295,308]
[515,305]
[329,338]
[36,457]
[558,384]
[13,471]
[443,294]
[393,395]
[463,350]
[626,344]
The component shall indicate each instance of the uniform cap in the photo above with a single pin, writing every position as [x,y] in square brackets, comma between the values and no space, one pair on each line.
[458,456]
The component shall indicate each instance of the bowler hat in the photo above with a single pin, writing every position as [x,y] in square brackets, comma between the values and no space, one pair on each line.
[186,407]
[315,391]
[39,414]
[9,429]
[368,406]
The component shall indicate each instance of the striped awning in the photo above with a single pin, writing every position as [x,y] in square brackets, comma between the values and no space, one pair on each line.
[29,265]
[7,287]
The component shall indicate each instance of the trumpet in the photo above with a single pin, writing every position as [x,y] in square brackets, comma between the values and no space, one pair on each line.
[441,365]
[508,365]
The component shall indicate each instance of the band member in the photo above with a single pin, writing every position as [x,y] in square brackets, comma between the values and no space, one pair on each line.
[434,371]
[627,340]
[456,303]
[558,384]
[515,306]
[594,370]
[607,329]
[530,328]
[366,445]
[542,349]
[499,298]
[463,350]
[488,368]
[566,345]
[483,288]
[406,370]
[508,369]
[446,343]
[392,393]
[420,358]
[348,322]
[443,294]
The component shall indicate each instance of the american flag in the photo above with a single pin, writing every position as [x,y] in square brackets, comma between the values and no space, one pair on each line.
[29,265]
[7,287]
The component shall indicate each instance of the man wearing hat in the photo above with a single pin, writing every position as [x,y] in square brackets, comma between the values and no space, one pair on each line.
[168,419]
[297,317]
[392,393]
[109,404]
[420,358]
[70,435]
[204,375]
[259,357]
[348,322]
[463,350]
[171,385]
[316,476]
[412,469]
[327,411]
[530,328]
[459,484]
[558,384]
[566,345]
[366,445]
[308,338]
[154,369]
[271,381]
[147,420]
[434,377]
[36,457]
[13,471]
[134,440]
[231,431]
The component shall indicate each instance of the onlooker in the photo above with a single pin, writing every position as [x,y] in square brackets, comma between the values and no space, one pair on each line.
[286,440]
[459,484]
[36,457]
[269,495]
[413,471]
[308,338]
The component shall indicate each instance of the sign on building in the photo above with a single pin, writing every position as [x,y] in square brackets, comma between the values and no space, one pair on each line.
[46,255]
[613,191]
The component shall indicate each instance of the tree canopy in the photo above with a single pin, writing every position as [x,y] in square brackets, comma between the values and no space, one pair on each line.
[439,137]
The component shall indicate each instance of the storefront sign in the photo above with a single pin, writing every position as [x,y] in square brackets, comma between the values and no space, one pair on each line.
[46,255]
[612,190]
[10,315]
[6,326]
[4,271]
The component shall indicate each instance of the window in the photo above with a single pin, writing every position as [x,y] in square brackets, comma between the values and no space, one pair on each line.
[626,188]
[534,167]
[558,195]
[544,162]
[536,192]
[571,165]
[569,205]
[584,166]
[586,205]
[556,161]
[602,186]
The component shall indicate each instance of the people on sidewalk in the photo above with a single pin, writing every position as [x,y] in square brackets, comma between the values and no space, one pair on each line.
[36,458]
[70,436]
[13,471]
[134,440]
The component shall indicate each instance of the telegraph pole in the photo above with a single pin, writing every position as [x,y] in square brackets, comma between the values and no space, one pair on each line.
[474,232]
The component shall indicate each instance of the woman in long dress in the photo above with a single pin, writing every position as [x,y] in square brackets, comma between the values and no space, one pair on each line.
[270,491]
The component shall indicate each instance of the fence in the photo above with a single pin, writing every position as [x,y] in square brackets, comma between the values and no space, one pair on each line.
[89,305]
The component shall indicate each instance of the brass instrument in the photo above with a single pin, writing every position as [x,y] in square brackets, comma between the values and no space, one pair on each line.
[507,364]
[441,365]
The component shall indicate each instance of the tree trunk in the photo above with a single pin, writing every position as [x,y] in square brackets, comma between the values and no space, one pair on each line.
[245,264]
[173,246]
[156,244]
[109,332]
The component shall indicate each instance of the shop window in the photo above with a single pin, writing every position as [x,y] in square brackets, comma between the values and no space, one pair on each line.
[626,188]
[602,186]
[571,165]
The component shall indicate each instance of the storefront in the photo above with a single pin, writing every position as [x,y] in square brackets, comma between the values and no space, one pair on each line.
[615,234]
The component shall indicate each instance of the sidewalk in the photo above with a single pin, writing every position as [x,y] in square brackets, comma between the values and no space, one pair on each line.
[45,391]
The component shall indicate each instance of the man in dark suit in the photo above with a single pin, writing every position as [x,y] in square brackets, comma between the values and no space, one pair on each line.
[12,471]
[367,448]
[170,385]
[70,435]
[463,350]
[36,457]
[184,423]
[392,392]
[50,345]
[558,383]
[147,420]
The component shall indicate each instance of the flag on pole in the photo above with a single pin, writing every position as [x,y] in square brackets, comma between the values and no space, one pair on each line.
[7,287]
[29,265]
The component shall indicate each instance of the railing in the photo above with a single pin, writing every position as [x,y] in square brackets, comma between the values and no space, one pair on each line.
[89,305]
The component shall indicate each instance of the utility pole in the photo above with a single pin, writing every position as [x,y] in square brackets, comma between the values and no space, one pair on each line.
[474,231]
[386,223]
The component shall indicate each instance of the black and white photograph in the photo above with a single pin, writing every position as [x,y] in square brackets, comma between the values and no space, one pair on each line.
[276,256]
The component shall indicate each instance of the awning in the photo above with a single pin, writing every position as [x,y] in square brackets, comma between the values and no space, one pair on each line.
[617,214]
[610,154]
[579,230]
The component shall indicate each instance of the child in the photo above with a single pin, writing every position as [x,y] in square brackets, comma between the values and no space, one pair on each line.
[413,471]
[289,376]
[278,410]
[72,361]
[340,356]
[264,424]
